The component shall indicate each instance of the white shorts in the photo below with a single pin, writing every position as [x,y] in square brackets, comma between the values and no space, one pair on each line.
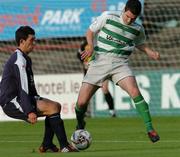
[107,67]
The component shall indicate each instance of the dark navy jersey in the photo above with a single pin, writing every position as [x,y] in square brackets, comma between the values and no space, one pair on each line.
[17,82]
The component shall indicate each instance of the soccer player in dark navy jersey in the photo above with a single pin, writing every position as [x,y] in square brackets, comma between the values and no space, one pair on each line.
[19,98]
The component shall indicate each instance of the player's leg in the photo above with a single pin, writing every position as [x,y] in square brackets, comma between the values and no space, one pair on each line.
[14,110]
[51,110]
[88,111]
[129,84]
[47,143]
[108,98]
[84,69]
[85,94]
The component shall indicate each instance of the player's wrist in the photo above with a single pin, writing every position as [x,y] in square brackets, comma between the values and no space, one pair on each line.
[31,113]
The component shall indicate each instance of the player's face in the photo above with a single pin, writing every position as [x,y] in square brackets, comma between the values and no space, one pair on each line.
[128,17]
[29,43]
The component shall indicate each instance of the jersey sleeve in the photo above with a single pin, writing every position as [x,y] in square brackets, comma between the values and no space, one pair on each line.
[98,23]
[141,38]
[22,84]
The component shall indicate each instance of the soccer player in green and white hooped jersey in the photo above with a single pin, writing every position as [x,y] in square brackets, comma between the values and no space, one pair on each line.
[117,36]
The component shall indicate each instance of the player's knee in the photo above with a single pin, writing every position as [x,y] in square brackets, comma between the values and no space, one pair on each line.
[81,103]
[105,90]
[56,107]
[134,92]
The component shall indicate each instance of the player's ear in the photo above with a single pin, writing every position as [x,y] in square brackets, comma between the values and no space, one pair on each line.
[21,41]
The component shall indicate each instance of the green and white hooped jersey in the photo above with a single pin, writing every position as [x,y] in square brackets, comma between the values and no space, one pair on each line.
[114,37]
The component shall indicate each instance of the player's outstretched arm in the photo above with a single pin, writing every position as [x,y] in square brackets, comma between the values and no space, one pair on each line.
[151,53]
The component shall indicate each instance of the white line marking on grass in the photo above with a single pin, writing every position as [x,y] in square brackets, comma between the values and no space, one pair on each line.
[124,141]
[96,141]
[7,141]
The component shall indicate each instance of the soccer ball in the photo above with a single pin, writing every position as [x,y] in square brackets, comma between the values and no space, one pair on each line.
[81,139]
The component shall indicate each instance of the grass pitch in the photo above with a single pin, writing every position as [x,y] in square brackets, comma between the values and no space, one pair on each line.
[112,137]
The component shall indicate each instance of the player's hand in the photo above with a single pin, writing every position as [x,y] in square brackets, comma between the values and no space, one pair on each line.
[154,55]
[87,52]
[32,118]
[151,53]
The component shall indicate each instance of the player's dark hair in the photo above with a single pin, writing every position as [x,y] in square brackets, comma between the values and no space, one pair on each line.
[22,33]
[134,6]
[83,45]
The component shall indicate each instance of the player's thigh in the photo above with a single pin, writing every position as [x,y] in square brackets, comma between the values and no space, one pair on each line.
[86,92]
[47,107]
[129,84]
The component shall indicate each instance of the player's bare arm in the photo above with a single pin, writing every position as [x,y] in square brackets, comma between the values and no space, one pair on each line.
[151,53]
[89,50]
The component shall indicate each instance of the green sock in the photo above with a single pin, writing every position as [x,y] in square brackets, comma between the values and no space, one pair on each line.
[143,109]
[80,113]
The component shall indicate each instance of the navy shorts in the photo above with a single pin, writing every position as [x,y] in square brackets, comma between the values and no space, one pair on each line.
[14,110]
[11,110]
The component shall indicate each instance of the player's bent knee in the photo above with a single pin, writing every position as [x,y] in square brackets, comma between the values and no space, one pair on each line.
[105,91]
[81,104]
[59,107]
[55,108]
[134,93]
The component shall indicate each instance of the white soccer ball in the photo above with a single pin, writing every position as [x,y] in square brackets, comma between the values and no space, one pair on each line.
[81,139]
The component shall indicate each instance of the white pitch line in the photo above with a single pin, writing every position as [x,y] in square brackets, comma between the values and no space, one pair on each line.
[123,141]
[98,141]
[6,141]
